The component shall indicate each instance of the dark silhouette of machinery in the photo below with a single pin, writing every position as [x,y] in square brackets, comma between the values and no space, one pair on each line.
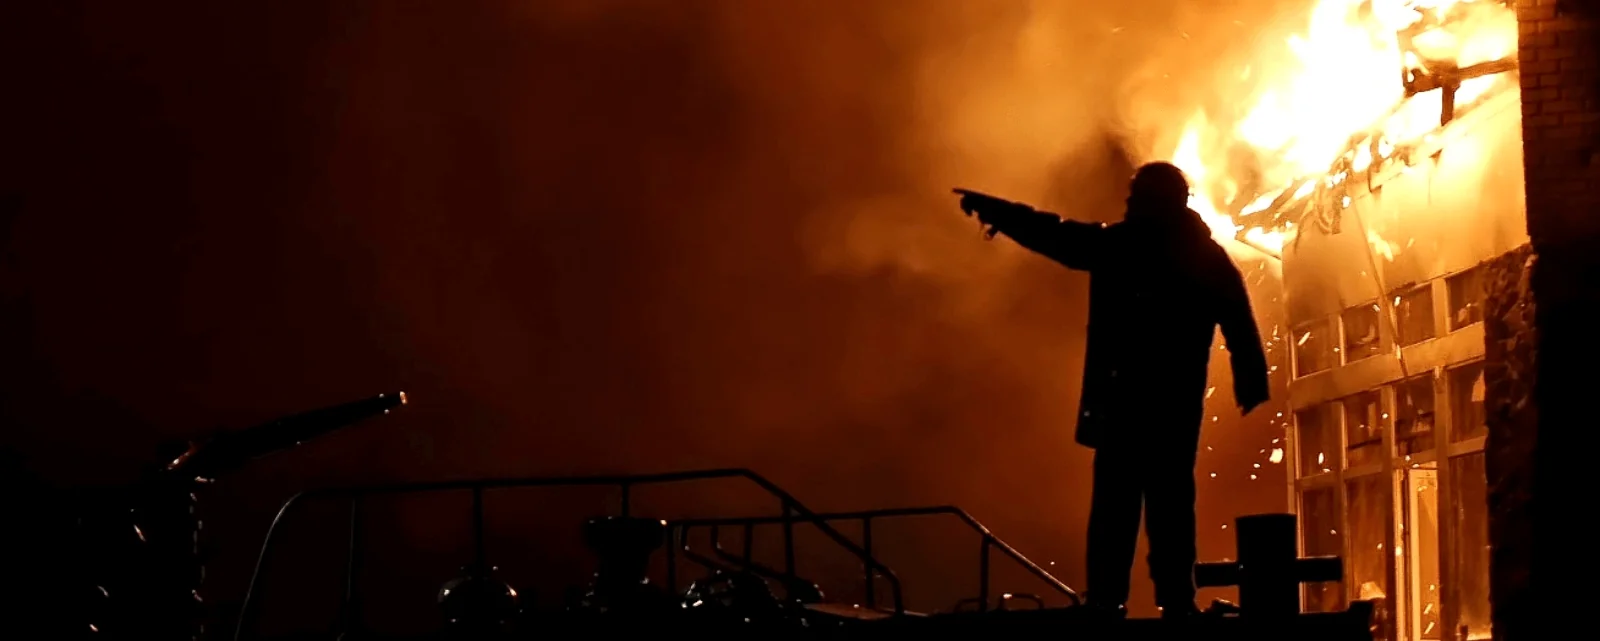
[476,605]
[125,562]
[732,593]
[623,547]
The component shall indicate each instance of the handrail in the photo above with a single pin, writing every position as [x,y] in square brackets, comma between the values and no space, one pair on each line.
[791,507]
[745,560]
[866,518]
[705,561]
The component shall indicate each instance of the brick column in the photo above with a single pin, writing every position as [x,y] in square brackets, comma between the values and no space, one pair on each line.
[1536,580]
[1560,86]
[1510,378]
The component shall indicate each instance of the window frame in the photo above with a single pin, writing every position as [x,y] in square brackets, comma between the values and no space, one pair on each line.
[1448,311]
[1328,326]
[1383,340]
[1392,465]
[1427,292]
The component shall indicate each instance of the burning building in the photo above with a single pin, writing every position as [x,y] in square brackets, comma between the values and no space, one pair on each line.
[1387,176]
[1384,282]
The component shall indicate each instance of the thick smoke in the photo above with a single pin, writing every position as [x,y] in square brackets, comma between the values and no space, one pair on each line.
[587,236]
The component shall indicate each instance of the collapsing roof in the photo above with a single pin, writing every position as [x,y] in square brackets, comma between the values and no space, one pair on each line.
[1445,80]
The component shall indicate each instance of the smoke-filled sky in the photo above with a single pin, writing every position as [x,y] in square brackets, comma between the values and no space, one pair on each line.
[586,236]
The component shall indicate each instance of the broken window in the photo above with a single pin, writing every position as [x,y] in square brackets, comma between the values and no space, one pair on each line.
[1469,562]
[1413,415]
[1368,511]
[1318,440]
[1419,550]
[1466,402]
[1319,533]
[1313,347]
[1363,428]
[1466,293]
[1361,336]
[1413,308]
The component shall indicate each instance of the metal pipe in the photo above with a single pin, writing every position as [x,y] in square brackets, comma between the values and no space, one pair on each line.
[672,560]
[788,538]
[248,608]
[983,575]
[872,578]
[349,610]
[480,556]
[749,543]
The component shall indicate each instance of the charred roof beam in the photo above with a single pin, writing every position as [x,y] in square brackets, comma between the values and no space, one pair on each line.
[1419,74]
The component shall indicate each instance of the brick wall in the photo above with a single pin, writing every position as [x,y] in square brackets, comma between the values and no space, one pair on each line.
[1561,118]
[1510,379]
[1543,564]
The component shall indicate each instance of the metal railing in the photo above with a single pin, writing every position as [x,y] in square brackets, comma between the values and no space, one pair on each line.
[791,509]
[989,542]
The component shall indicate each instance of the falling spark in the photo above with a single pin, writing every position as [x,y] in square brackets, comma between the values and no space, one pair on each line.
[1277,454]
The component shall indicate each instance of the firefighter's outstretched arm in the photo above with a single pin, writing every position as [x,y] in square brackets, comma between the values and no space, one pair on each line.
[1075,244]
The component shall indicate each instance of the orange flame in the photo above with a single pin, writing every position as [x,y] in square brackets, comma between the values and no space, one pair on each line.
[1341,81]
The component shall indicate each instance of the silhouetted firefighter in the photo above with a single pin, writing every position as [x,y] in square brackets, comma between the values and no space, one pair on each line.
[1159,286]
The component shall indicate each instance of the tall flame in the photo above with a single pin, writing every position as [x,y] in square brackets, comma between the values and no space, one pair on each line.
[1341,81]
